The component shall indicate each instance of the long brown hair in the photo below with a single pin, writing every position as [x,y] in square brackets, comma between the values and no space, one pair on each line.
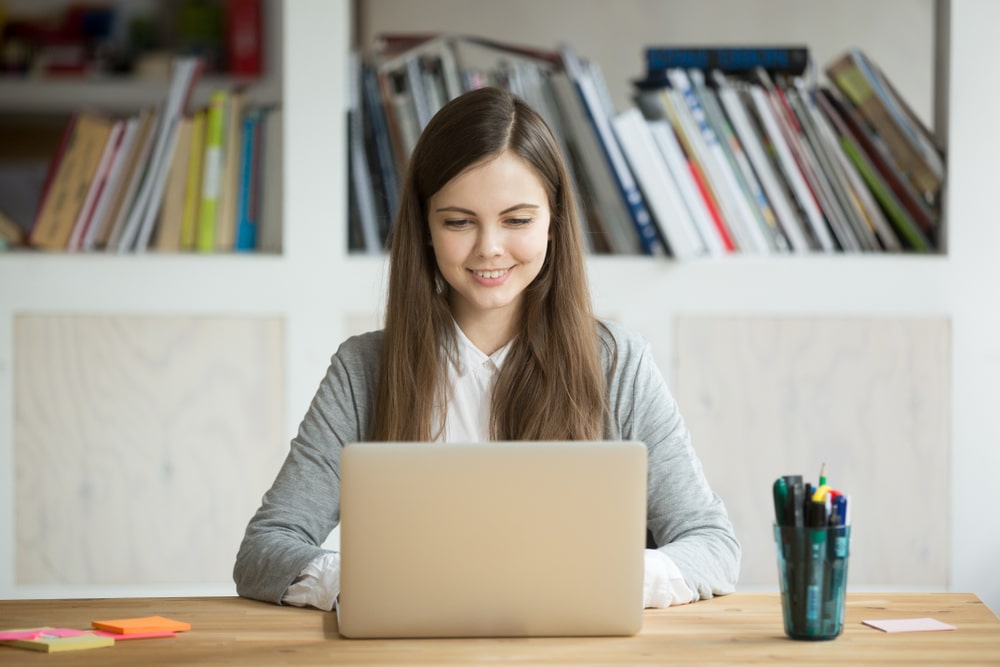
[551,385]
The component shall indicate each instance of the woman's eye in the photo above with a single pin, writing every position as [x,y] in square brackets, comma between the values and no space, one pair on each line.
[517,222]
[456,224]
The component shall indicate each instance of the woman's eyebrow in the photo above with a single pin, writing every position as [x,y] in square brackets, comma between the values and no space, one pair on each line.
[459,209]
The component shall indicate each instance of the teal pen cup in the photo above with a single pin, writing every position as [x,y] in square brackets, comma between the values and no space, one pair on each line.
[812,571]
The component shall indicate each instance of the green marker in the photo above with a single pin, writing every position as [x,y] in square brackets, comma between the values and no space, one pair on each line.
[780,501]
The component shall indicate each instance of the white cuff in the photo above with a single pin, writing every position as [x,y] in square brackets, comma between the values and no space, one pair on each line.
[663,583]
[318,585]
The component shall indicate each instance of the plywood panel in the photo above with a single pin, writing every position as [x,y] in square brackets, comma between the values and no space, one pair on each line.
[142,445]
[767,396]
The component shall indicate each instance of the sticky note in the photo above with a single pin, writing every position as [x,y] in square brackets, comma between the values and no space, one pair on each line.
[145,625]
[53,640]
[909,625]
[117,636]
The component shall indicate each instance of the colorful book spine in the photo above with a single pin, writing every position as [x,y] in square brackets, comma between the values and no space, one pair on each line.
[192,190]
[247,209]
[211,177]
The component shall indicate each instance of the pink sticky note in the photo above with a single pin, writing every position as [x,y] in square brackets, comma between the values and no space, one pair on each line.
[141,635]
[909,625]
[11,635]
[35,633]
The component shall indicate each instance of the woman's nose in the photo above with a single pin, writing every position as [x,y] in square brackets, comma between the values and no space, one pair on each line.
[489,242]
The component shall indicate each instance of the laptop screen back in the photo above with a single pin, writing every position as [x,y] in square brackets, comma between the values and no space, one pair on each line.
[492,539]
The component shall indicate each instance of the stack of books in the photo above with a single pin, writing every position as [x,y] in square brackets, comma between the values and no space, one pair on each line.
[168,178]
[725,149]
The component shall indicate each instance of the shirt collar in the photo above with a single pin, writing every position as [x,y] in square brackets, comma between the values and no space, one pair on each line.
[470,356]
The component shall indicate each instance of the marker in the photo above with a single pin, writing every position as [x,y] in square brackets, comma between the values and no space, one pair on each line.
[780,491]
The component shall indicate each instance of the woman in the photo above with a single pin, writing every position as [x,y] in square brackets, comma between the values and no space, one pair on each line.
[489,335]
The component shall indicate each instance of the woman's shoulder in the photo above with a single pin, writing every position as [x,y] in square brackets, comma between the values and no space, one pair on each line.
[361,349]
[623,341]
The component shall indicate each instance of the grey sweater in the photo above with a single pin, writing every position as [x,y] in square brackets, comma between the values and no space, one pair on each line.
[302,506]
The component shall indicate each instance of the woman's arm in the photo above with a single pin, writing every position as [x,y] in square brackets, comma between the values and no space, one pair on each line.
[688,521]
[303,504]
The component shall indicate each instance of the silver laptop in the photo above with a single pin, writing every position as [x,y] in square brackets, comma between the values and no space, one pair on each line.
[507,539]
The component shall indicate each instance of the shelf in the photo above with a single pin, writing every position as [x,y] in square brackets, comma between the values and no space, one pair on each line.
[220,284]
[116,95]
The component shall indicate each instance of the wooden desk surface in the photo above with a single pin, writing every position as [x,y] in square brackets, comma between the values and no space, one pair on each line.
[735,629]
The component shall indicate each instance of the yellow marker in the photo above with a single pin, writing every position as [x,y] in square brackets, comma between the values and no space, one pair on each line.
[820,494]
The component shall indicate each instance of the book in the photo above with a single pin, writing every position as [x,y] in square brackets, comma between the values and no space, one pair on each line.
[363,225]
[270,223]
[382,158]
[171,218]
[243,37]
[71,181]
[590,97]
[113,185]
[908,142]
[192,186]
[134,172]
[790,59]
[97,186]
[211,170]
[658,185]
[607,216]
[225,217]
[10,232]
[146,208]
[54,162]
[249,187]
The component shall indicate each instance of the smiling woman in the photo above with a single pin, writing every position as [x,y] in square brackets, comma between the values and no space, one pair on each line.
[489,335]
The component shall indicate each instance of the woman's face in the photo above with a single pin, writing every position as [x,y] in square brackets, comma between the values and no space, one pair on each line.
[490,230]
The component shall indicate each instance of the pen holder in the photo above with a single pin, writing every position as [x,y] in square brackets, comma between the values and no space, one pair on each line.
[812,570]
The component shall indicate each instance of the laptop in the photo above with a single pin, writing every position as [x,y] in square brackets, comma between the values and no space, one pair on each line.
[499,539]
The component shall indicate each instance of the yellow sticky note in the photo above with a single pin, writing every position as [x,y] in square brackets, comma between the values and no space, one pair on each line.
[54,643]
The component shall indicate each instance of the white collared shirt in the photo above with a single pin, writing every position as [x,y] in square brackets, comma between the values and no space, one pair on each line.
[471,378]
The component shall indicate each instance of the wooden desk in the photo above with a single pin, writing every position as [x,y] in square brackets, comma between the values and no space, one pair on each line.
[735,629]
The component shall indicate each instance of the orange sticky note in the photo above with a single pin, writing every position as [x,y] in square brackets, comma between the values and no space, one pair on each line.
[147,624]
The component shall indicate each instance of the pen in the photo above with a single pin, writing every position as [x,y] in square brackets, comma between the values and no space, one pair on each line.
[839,514]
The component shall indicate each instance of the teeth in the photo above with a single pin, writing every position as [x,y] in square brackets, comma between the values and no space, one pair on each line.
[490,274]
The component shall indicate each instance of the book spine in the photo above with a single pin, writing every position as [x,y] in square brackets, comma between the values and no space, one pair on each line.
[192,189]
[246,226]
[244,40]
[211,177]
[731,60]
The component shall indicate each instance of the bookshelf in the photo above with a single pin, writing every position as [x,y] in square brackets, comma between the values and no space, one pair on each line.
[321,294]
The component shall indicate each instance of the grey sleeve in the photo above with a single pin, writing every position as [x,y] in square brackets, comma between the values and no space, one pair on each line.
[686,518]
[303,504]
